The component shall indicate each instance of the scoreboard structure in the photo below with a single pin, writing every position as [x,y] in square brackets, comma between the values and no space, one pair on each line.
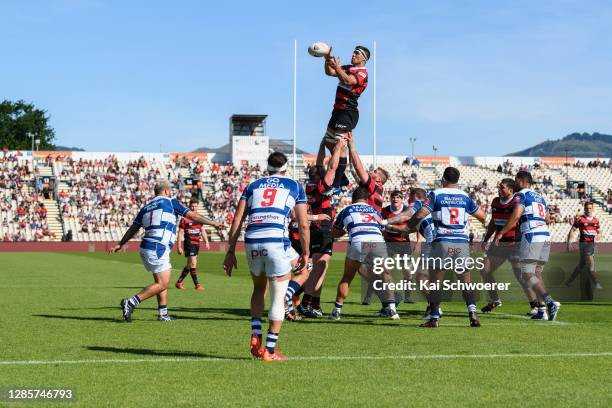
[248,139]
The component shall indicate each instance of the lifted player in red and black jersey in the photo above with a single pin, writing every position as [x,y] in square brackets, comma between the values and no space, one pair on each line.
[319,191]
[352,81]
[589,229]
[189,236]
[507,249]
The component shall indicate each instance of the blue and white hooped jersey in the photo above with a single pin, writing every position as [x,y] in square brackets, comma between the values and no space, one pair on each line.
[269,203]
[159,218]
[533,219]
[359,221]
[426,225]
[449,209]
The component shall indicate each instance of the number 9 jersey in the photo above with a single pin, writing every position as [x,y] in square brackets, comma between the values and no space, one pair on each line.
[449,209]
[269,203]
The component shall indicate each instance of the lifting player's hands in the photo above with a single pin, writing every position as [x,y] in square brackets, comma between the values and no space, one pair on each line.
[230,262]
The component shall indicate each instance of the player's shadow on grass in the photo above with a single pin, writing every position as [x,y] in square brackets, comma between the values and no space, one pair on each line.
[92,318]
[158,353]
[222,310]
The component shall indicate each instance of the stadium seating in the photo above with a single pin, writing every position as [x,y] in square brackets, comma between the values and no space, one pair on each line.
[96,199]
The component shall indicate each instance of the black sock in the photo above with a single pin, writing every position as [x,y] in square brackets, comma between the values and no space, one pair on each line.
[534,303]
[306,300]
[184,274]
[194,276]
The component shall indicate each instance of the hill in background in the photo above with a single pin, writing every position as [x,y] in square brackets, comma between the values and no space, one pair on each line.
[576,145]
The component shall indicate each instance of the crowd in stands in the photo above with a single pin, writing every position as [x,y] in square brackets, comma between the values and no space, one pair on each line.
[594,164]
[23,216]
[98,196]
[105,194]
[222,186]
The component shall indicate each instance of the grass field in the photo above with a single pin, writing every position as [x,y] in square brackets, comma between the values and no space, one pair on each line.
[61,327]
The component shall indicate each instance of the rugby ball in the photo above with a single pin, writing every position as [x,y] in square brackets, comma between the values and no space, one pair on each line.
[319,49]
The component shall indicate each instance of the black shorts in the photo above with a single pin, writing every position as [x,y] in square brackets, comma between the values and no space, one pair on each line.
[321,242]
[343,120]
[508,251]
[398,248]
[191,249]
[296,244]
[587,248]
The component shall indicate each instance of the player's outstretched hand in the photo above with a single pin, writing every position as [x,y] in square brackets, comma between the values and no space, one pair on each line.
[221,225]
[230,262]
[115,249]
[179,250]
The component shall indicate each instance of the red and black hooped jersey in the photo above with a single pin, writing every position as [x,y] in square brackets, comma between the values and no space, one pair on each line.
[501,212]
[192,231]
[376,191]
[393,236]
[588,227]
[319,199]
[347,95]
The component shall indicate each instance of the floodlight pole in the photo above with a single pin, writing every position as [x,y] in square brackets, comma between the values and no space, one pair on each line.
[374,103]
[294,105]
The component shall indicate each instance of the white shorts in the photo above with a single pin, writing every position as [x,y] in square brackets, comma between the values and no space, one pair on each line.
[271,259]
[365,252]
[535,251]
[154,263]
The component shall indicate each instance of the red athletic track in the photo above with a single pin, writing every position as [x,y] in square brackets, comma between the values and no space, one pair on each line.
[604,247]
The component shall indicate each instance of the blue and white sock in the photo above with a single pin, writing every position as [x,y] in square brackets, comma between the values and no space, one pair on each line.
[256,327]
[291,290]
[163,310]
[471,307]
[338,305]
[134,301]
[271,340]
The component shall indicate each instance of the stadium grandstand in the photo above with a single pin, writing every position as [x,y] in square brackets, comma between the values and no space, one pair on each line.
[94,196]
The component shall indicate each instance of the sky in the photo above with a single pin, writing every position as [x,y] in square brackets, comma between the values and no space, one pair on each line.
[470,77]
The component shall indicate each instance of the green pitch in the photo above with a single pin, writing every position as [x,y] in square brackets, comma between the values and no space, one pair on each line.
[61,327]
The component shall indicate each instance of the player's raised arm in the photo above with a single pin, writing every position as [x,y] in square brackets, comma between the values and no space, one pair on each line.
[329,71]
[344,77]
[230,261]
[413,223]
[194,216]
[362,174]
[330,173]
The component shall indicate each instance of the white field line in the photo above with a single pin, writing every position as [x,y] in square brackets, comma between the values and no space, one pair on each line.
[309,358]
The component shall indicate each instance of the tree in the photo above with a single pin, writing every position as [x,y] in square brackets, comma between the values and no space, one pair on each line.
[20,122]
